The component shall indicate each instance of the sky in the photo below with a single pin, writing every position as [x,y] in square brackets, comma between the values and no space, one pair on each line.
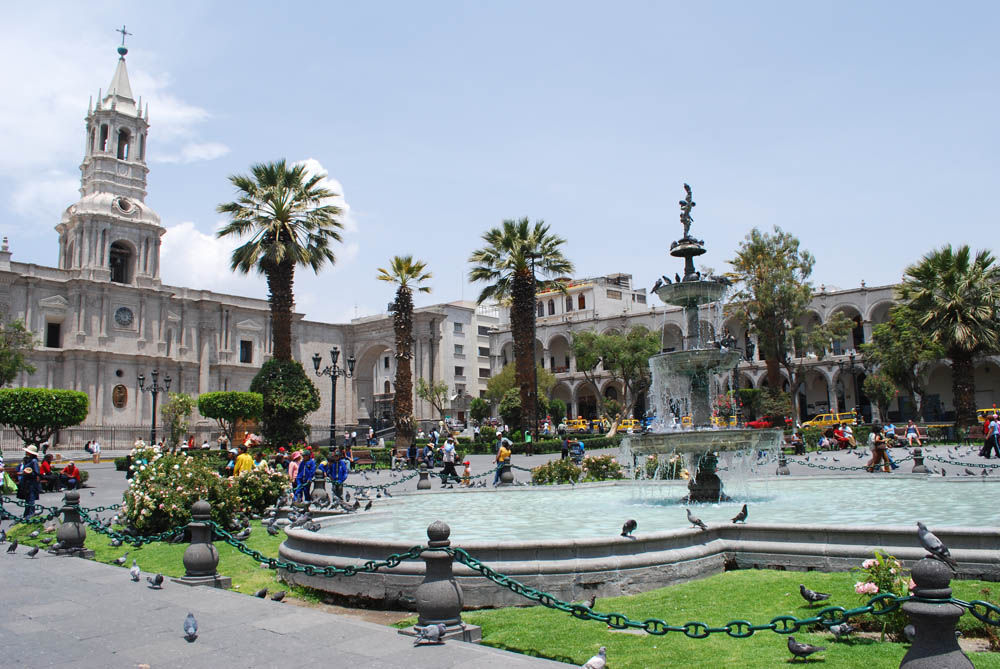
[868,130]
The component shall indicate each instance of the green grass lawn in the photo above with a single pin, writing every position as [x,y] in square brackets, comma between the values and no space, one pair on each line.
[753,595]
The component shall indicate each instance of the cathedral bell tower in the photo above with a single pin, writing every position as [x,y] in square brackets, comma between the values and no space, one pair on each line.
[110,234]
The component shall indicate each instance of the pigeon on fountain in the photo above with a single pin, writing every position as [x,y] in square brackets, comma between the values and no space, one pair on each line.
[628,528]
[812,596]
[599,661]
[677,277]
[657,285]
[935,546]
[802,650]
[666,279]
[694,520]
[741,517]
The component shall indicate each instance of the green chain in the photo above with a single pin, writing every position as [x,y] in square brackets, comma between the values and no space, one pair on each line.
[38,518]
[960,464]
[380,486]
[838,468]
[128,538]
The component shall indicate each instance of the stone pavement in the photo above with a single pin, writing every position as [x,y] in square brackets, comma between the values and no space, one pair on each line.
[67,611]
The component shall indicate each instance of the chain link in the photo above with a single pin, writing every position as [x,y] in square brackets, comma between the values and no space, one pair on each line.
[960,464]
[840,468]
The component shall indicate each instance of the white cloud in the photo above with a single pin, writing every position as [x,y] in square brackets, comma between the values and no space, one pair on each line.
[189,257]
[46,195]
[314,167]
[194,152]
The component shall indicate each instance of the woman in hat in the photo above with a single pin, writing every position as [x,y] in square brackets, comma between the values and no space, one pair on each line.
[28,483]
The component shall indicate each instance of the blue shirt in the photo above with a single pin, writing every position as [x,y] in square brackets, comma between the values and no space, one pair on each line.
[307,470]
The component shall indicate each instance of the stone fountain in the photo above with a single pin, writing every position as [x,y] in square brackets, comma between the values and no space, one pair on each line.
[682,380]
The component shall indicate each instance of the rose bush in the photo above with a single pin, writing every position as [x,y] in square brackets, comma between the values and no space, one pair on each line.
[556,471]
[258,489]
[884,574]
[602,468]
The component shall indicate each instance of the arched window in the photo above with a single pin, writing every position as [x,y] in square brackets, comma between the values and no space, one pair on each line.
[104,137]
[581,302]
[552,307]
[569,303]
[124,142]
[387,388]
[120,262]
[540,309]
[611,393]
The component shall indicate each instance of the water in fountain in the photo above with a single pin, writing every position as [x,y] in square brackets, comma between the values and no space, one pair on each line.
[684,382]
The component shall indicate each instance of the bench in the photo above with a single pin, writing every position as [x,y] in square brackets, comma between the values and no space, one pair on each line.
[47,486]
[363,457]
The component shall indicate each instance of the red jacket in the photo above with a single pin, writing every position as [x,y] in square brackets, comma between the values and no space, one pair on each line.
[71,471]
[45,468]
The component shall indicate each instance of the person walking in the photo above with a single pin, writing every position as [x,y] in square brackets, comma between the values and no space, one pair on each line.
[992,443]
[28,480]
[878,450]
[448,458]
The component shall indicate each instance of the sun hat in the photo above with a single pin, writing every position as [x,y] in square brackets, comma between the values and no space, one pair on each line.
[296,455]
[31,449]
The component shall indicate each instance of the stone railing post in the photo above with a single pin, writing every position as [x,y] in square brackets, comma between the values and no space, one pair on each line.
[72,532]
[319,492]
[782,466]
[934,643]
[439,596]
[918,461]
[200,557]
[506,474]
[424,483]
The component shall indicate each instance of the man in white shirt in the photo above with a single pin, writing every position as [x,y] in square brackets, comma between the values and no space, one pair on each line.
[95,448]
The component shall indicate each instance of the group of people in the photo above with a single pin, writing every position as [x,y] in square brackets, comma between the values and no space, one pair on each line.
[991,437]
[32,474]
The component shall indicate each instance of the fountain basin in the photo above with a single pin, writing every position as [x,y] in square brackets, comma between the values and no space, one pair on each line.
[691,293]
[697,441]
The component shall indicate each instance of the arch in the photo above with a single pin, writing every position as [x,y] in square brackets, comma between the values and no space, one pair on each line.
[611,391]
[387,387]
[560,354]
[746,379]
[857,335]
[506,353]
[121,261]
[808,321]
[103,144]
[581,302]
[370,375]
[586,401]
[671,339]
[124,144]
[816,394]
[879,312]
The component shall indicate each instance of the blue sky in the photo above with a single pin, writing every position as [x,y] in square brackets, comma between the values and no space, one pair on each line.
[868,130]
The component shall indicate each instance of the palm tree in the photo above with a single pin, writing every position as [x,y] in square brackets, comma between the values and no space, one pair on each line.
[955,298]
[286,213]
[407,274]
[513,255]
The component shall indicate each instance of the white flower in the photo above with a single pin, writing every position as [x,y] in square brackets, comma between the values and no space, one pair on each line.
[177,466]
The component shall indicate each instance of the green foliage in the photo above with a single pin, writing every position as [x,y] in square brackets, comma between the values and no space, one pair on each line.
[15,343]
[602,468]
[258,489]
[751,398]
[488,434]
[811,435]
[228,407]
[36,413]
[497,386]
[624,356]
[435,393]
[556,471]
[479,409]
[776,405]
[557,410]
[176,412]
[880,389]
[288,397]
[673,466]
[510,407]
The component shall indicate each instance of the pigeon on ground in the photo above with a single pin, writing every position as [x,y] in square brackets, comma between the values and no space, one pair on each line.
[387,494]
[46,540]
[357,504]
[177,538]
[694,520]
[58,546]
[155,582]
[3,533]
[628,528]
[261,594]
[190,628]
[347,495]
[599,661]
[33,552]
[122,560]
[429,634]
[592,601]
[115,543]
[278,596]
[91,493]
[134,572]
[935,546]
[812,596]
[272,530]
[34,535]
[368,506]
[741,517]
[843,629]
[242,536]
[13,546]
[969,472]
[802,649]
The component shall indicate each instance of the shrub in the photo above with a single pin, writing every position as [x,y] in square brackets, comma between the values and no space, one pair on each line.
[288,397]
[479,409]
[673,467]
[36,413]
[602,468]
[557,410]
[227,407]
[884,574]
[258,489]
[488,433]
[556,471]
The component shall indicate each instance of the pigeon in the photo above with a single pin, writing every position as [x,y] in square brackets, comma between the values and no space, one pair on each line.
[3,533]
[190,628]
[13,546]
[272,530]
[59,545]
[935,546]
[599,661]
[347,495]
[812,596]
[368,506]
[387,494]
[802,649]
[943,472]
[843,629]
[115,543]
[657,285]
[429,634]
[46,540]
[911,632]
[741,517]
[242,536]
[628,528]
[666,279]
[592,601]
[33,552]
[312,526]
[134,572]
[155,582]
[34,535]
[357,504]
[695,521]
[91,493]
[261,594]
[177,538]
[969,472]
[122,560]
[278,596]
[677,277]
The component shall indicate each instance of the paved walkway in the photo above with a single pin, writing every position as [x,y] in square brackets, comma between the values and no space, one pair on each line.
[86,614]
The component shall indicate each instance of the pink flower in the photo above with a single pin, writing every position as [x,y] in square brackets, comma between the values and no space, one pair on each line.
[869,563]
[913,585]
[865,588]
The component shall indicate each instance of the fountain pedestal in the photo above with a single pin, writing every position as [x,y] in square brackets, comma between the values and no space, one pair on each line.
[706,486]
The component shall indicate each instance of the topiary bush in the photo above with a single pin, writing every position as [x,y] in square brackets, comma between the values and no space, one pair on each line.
[288,397]
[556,471]
[602,468]
[36,414]
[228,407]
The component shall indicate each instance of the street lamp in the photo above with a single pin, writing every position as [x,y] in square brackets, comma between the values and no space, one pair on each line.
[154,389]
[334,372]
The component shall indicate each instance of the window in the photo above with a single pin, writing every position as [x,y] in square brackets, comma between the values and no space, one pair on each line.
[459,371]
[569,303]
[459,349]
[567,363]
[581,302]
[641,299]
[459,389]
[104,137]
[119,261]
[387,387]
[484,373]
[124,144]
[482,394]
[458,328]
[142,147]
[246,351]
[484,351]
[614,294]
[385,362]
[552,307]
[53,332]
[484,331]
[540,310]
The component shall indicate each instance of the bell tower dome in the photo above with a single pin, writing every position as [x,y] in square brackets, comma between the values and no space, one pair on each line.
[110,234]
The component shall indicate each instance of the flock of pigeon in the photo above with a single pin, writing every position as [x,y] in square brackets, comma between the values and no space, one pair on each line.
[940,471]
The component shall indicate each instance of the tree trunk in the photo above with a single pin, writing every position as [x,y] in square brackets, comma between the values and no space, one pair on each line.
[280,278]
[522,322]
[963,388]
[773,375]
[402,400]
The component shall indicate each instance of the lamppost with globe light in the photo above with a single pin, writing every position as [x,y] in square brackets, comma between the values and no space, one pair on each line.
[334,372]
[154,389]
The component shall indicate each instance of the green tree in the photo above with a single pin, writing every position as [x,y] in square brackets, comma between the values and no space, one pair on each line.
[15,344]
[498,385]
[510,407]
[229,407]
[36,414]
[902,351]
[287,215]
[956,297]
[436,394]
[479,409]
[750,400]
[814,339]
[557,410]
[288,397]
[880,388]
[513,255]
[407,274]
[176,412]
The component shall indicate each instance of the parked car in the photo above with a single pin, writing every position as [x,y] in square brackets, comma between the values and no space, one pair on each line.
[831,419]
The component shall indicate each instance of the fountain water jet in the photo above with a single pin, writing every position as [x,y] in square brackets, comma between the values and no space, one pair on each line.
[682,380]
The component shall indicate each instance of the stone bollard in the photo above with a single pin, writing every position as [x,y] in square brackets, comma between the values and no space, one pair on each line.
[200,557]
[934,643]
[918,461]
[506,474]
[424,483]
[72,532]
[319,492]
[439,596]
[782,466]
